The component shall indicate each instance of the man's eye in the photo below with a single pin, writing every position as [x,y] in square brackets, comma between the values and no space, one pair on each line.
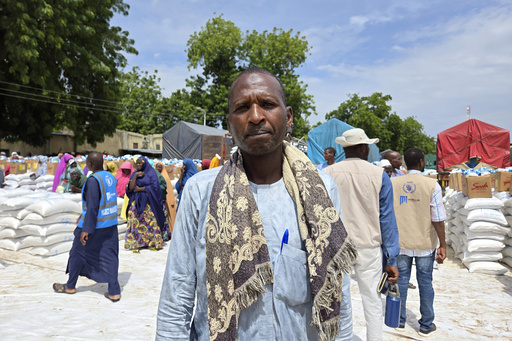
[268,104]
[241,108]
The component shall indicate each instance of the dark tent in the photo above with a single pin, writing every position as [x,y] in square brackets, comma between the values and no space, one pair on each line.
[324,135]
[473,138]
[194,141]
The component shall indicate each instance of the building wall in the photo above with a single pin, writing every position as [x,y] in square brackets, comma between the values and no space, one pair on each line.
[64,143]
[120,140]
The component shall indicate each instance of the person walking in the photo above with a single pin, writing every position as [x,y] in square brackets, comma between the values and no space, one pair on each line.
[95,250]
[420,216]
[367,212]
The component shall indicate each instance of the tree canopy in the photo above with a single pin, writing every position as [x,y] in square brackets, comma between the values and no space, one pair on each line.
[144,109]
[59,66]
[373,115]
[221,51]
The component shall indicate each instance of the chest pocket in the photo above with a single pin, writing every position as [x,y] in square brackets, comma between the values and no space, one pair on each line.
[291,276]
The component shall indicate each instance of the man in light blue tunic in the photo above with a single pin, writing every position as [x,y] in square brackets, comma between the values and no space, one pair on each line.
[258,250]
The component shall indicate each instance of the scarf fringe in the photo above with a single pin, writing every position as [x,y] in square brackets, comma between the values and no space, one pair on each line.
[343,262]
[248,293]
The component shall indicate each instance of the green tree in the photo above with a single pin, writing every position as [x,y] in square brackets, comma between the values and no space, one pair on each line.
[373,115]
[222,51]
[60,63]
[145,110]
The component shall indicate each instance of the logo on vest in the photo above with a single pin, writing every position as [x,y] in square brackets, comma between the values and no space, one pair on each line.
[403,199]
[110,182]
[409,187]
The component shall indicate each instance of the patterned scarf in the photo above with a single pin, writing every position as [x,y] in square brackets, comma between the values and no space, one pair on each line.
[237,260]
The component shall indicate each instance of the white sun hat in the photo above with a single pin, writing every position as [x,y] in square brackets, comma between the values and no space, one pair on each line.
[354,137]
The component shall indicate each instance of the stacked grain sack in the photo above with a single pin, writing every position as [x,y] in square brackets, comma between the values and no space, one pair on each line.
[503,182]
[41,223]
[476,228]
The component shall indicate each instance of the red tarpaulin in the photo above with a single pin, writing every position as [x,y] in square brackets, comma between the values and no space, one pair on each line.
[473,138]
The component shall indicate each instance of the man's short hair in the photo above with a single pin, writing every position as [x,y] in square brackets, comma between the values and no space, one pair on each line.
[331,149]
[253,70]
[413,156]
[388,154]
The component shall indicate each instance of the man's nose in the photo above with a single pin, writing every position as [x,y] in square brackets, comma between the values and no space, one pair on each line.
[256,114]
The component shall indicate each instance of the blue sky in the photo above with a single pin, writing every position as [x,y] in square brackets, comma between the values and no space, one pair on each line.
[433,57]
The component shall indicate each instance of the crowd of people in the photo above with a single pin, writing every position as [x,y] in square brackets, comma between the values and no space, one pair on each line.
[264,243]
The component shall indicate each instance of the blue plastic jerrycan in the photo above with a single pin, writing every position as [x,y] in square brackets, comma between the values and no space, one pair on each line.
[392,317]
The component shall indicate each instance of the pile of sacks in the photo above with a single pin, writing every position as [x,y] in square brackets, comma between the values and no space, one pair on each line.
[479,231]
[27,182]
[41,222]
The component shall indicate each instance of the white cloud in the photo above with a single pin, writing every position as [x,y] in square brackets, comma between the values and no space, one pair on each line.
[358,20]
[469,62]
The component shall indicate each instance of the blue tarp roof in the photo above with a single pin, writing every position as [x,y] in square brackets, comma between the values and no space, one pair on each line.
[324,135]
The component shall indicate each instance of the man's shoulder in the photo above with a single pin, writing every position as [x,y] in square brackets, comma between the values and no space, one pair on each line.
[327,179]
[348,165]
[204,178]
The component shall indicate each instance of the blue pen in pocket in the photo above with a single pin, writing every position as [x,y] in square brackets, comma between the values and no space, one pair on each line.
[284,240]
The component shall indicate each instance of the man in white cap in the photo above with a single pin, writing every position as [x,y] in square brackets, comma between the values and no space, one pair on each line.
[367,211]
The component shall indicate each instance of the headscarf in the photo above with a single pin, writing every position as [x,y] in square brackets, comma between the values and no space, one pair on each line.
[206,163]
[170,200]
[123,179]
[81,178]
[215,162]
[43,167]
[112,168]
[153,194]
[190,170]
[237,260]
[60,169]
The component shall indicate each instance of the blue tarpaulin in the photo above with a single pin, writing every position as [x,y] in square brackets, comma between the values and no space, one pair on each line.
[324,135]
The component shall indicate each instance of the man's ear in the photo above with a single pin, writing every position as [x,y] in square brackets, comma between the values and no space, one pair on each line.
[228,124]
[289,119]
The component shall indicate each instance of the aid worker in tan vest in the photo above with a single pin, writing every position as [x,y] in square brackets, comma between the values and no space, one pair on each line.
[420,216]
[367,211]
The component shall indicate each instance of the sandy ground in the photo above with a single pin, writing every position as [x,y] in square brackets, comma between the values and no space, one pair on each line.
[468,306]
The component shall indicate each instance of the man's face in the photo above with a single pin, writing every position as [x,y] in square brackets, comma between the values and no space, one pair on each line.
[395,159]
[74,176]
[257,117]
[328,155]
[159,167]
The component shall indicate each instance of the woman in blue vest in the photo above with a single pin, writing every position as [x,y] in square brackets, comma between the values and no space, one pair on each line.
[147,223]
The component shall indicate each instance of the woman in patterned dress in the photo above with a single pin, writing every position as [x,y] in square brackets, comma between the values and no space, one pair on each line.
[147,223]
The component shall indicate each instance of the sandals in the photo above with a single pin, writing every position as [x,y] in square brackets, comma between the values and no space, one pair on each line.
[411,286]
[114,300]
[61,289]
